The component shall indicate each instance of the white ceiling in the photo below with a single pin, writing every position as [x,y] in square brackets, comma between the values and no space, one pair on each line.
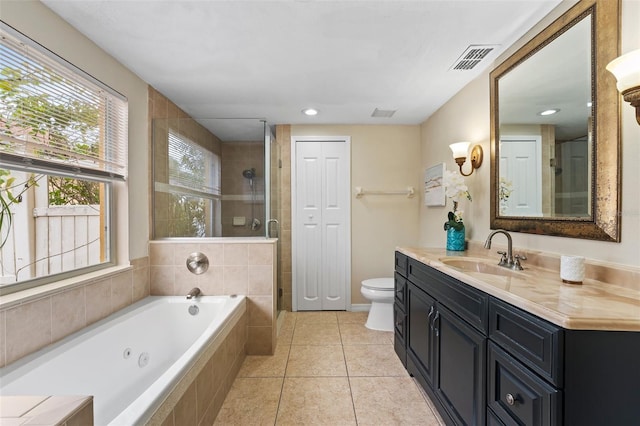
[270,59]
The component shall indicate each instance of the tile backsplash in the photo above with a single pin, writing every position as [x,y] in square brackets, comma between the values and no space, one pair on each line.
[31,325]
[236,266]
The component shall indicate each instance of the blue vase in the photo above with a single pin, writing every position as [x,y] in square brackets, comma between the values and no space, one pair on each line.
[455,239]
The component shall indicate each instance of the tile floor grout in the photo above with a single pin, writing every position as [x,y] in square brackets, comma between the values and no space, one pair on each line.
[318,395]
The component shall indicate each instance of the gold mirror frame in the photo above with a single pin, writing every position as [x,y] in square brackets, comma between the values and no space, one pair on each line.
[604,222]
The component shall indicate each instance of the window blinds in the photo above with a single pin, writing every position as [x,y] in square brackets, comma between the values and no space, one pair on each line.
[54,117]
[192,166]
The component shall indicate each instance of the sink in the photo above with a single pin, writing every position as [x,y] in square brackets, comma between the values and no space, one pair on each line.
[477,265]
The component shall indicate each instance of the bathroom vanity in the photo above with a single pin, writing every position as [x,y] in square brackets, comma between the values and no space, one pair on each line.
[492,346]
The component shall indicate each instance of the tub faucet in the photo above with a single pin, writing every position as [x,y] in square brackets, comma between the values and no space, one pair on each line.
[194,293]
[507,260]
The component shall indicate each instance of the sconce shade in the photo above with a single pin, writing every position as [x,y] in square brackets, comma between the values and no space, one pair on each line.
[626,70]
[460,149]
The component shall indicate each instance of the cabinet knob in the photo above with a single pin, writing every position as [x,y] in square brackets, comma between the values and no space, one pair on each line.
[511,400]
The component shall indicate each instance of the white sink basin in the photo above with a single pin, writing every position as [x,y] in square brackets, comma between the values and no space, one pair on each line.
[478,265]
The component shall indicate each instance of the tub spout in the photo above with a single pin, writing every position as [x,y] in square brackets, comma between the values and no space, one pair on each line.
[194,293]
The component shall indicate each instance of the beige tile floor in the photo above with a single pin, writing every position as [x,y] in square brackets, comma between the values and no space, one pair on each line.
[328,369]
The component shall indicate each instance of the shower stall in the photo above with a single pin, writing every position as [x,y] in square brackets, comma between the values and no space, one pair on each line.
[215,178]
[210,184]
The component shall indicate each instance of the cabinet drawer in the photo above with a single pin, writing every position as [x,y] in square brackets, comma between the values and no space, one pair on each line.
[517,395]
[469,303]
[401,289]
[537,343]
[401,263]
[493,419]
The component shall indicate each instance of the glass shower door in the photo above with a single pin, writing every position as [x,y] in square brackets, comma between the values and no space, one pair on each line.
[273,167]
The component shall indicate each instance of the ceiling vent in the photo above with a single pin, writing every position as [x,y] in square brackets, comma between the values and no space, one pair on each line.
[472,56]
[384,113]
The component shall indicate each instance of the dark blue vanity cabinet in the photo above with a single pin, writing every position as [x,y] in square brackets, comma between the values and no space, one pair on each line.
[445,341]
[486,362]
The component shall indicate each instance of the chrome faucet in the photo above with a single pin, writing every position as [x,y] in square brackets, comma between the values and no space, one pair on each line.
[507,260]
[194,293]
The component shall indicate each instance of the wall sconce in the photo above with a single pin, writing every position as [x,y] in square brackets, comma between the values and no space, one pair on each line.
[460,150]
[626,69]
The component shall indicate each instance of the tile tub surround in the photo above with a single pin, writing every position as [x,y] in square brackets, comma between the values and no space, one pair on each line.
[328,369]
[35,318]
[608,299]
[197,397]
[244,266]
[46,410]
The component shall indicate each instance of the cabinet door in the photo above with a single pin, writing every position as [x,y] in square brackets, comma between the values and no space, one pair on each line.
[460,368]
[400,333]
[420,313]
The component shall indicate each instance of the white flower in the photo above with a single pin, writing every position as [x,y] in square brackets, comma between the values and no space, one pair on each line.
[506,188]
[454,186]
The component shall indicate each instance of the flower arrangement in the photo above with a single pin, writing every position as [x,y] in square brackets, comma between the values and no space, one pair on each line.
[456,190]
[504,192]
[506,188]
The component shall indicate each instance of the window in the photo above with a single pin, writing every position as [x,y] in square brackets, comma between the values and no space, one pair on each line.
[63,143]
[187,189]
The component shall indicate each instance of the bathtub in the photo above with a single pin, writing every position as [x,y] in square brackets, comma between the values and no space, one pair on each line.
[130,361]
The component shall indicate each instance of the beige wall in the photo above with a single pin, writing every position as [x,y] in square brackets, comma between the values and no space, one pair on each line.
[382,157]
[466,117]
[36,21]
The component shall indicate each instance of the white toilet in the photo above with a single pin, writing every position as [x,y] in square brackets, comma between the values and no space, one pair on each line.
[380,291]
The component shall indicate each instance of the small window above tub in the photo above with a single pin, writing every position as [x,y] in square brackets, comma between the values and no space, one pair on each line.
[186,187]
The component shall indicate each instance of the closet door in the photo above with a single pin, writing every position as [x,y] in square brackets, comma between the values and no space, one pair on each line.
[321,231]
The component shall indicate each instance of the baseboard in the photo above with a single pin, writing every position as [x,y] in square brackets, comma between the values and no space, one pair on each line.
[360,307]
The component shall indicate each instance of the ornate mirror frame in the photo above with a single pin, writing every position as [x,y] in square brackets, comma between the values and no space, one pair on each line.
[604,221]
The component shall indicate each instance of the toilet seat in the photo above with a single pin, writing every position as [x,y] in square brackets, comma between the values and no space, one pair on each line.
[379,284]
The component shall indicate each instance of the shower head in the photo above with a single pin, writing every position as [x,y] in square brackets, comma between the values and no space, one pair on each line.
[249,173]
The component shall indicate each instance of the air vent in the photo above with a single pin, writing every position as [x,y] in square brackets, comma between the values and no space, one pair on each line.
[384,113]
[472,57]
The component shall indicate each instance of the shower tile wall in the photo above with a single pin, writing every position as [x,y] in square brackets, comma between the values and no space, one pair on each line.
[283,133]
[235,267]
[236,190]
[32,325]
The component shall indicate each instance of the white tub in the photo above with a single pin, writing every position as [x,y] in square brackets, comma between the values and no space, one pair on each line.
[130,361]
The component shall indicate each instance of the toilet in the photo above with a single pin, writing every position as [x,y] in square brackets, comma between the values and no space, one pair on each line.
[380,292]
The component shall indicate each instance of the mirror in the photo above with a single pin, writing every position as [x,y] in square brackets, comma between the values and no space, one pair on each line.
[557,173]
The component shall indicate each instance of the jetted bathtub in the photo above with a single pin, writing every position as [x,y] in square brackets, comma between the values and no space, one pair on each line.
[129,361]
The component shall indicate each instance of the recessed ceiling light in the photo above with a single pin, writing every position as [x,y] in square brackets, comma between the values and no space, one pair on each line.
[549,111]
[589,104]
[310,111]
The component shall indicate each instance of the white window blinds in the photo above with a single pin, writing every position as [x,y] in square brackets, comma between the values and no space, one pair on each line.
[192,166]
[53,116]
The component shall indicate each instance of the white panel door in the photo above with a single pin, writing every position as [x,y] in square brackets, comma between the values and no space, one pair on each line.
[572,181]
[321,254]
[520,159]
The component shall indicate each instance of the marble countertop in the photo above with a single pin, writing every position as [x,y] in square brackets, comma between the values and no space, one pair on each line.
[46,410]
[596,304]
